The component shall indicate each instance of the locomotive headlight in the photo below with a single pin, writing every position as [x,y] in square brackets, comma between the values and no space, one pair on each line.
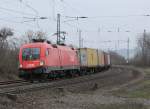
[20,66]
[41,63]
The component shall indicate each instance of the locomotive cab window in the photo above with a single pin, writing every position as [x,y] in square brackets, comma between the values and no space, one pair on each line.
[31,53]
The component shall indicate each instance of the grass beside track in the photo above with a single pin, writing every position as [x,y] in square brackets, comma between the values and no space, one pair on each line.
[140,90]
[121,106]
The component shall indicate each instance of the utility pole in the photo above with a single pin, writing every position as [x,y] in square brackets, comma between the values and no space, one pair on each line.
[61,39]
[144,44]
[58,29]
[118,44]
[99,30]
[118,30]
[80,39]
[116,47]
[82,42]
[128,42]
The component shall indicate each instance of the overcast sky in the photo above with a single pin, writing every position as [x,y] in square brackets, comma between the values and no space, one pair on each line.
[99,30]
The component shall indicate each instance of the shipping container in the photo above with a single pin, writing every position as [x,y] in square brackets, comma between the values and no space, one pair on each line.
[83,57]
[105,59]
[88,57]
[100,58]
[109,63]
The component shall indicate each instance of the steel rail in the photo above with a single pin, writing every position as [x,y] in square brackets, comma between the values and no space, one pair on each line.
[56,83]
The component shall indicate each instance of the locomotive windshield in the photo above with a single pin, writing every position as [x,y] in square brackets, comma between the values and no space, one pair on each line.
[31,53]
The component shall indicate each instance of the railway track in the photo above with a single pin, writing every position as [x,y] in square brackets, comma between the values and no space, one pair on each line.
[24,86]
[15,83]
[11,82]
[16,87]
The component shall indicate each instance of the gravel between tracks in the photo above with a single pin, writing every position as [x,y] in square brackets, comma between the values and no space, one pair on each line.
[89,94]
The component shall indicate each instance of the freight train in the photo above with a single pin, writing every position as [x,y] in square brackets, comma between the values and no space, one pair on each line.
[45,60]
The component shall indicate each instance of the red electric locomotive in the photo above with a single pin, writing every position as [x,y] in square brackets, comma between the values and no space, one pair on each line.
[42,58]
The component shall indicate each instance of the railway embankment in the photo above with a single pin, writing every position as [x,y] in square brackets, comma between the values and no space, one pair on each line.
[103,90]
[139,90]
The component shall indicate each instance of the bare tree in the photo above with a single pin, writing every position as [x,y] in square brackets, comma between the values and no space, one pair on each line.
[143,55]
[116,58]
[30,35]
[8,56]
[4,33]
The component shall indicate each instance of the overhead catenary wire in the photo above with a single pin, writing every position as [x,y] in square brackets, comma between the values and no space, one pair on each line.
[24,22]
[8,2]
[117,16]
[15,11]
[23,13]
[107,16]
[33,9]
[16,22]
[6,20]
[30,7]
[68,5]
[70,25]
